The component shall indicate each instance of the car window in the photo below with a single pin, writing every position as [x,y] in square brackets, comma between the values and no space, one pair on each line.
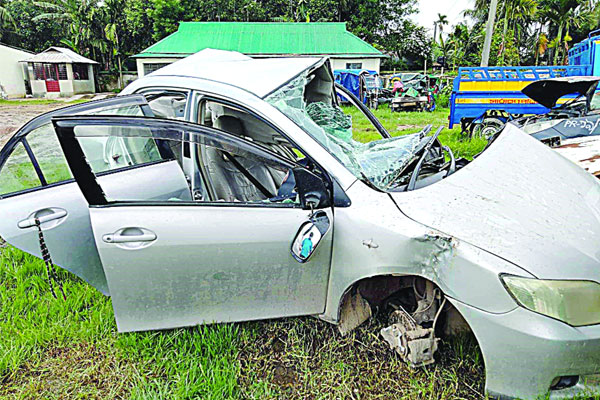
[234,172]
[51,160]
[18,172]
[167,104]
[108,148]
[595,103]
[240,123]
[49,155]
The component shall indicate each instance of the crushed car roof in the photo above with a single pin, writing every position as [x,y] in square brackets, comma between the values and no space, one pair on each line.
[548,91]
[258,76]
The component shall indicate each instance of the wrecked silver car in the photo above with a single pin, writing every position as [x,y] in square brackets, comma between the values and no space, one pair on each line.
[222,188]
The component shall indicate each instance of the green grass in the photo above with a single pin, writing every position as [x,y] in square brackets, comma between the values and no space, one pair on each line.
[51,348]
[402,123]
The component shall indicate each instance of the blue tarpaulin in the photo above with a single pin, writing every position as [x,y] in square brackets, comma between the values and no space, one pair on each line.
[350,79]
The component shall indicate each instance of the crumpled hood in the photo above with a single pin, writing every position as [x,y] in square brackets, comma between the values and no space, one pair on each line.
[522,202]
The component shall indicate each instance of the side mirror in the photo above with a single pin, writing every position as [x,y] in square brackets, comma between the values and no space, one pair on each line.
[311,189]
[309,236]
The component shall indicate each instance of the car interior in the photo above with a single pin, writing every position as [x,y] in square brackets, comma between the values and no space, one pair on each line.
[205,170]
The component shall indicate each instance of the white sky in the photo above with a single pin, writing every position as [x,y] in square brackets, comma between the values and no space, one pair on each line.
[429,9]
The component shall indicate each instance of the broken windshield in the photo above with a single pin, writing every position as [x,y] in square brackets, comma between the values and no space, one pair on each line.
[382,161]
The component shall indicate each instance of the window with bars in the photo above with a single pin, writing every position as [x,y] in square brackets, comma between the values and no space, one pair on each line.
[62,71]
[80,72]
[151,67]
[48,71]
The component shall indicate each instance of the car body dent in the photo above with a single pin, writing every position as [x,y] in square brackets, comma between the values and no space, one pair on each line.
[407,247]
[496,204]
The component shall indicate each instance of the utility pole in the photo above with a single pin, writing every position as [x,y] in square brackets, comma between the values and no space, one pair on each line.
[489,31]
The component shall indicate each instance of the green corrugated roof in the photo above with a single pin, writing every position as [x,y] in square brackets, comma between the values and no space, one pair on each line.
[262,38]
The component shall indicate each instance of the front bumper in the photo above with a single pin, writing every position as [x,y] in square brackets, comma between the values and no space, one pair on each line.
[524,352]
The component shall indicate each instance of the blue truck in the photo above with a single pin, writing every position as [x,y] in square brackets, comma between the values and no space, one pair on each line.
[485,98]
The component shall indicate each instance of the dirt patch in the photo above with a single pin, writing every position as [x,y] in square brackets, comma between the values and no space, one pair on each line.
[12,116]
[79,371]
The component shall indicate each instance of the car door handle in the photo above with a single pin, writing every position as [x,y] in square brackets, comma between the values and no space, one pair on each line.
[28,222]
[118,238]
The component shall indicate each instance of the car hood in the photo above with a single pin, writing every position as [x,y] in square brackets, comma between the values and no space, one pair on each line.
[522,202]
[548,91]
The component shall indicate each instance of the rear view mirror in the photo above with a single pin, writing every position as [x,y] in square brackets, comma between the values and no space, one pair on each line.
[309,236]
[311,189]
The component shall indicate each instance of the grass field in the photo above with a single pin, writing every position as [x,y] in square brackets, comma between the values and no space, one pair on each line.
[51,348]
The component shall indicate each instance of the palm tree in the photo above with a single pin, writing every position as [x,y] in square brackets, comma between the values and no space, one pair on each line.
[441,21]
[563,15]
[517,13]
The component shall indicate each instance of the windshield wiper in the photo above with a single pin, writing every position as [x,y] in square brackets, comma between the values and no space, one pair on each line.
[415,174]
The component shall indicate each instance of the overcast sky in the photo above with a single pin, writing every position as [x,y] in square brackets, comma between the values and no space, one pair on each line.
[429,9]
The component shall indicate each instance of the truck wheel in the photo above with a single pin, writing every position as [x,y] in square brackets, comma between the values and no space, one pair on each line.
[487,128]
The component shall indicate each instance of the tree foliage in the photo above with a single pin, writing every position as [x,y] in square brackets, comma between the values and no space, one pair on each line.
[526,31]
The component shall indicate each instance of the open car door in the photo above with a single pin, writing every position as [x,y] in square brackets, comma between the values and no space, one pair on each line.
[173,261]
[35,182]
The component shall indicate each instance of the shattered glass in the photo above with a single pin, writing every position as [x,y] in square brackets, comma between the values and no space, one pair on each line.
[382,161]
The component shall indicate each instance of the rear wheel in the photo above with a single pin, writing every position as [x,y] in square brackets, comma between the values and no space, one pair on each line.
[487,128]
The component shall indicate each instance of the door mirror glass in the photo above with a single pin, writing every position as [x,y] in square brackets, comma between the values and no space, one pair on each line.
[311,189]
[309,236]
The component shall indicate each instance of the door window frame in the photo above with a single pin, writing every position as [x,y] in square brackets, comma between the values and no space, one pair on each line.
[91,189]
[21,135]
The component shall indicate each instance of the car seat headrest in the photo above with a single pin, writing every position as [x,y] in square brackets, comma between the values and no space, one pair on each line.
[230,124]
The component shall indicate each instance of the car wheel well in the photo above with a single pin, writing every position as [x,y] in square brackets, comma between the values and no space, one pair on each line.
[367,297]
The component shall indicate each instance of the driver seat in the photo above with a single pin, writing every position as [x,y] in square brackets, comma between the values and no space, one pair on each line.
[229,182]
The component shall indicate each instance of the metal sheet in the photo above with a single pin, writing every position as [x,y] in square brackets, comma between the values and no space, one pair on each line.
[583,151]
[520,201]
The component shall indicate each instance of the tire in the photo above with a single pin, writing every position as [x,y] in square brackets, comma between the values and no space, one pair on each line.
[487,128]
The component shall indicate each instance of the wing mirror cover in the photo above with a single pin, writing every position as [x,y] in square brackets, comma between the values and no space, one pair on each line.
[311,189]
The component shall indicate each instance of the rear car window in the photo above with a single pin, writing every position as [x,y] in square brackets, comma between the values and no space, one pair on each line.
[18,172]
[49,155]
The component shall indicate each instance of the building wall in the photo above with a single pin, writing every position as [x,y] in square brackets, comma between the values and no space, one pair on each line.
[12,75]
[79,86]
[68,87]
[367,63]
[336,63]
[141,61]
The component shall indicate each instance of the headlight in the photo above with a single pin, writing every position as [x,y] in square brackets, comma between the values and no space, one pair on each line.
[575,302]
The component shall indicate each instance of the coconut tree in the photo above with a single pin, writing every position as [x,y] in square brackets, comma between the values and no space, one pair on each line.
[441,21]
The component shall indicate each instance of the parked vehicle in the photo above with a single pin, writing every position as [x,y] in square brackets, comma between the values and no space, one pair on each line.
[216,189]
[484,97]
[413,92]
[362,83]
[571,128]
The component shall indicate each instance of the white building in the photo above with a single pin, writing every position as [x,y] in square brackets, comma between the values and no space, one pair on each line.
[12,73]
[58,71]
[263,40]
